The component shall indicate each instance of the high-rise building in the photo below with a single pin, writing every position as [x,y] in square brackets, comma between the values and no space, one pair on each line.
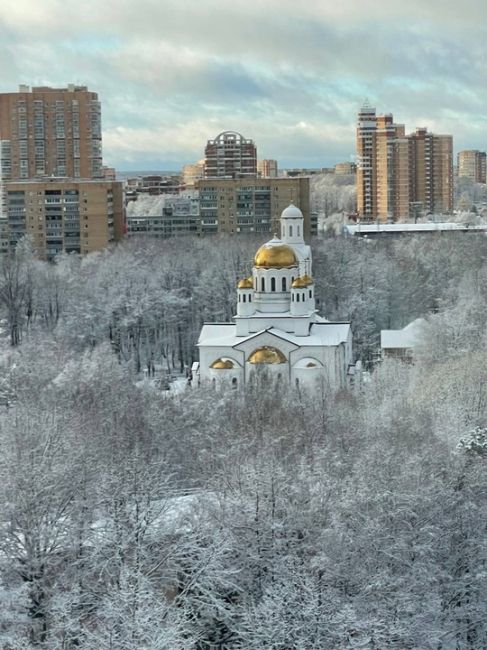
[267,168]
[399,174]
[50,132]
[252,205]
[53,185]
[431,171]
[472,164]
[63,215]
[230,155]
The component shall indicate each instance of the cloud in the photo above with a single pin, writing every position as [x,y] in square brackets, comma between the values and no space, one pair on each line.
[172,74]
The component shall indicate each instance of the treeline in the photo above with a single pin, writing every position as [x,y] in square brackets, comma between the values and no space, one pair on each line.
[250,519]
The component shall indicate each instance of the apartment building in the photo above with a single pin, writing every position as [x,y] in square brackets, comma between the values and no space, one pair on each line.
[472,164]
[399,174]
[60,215]
[431,171]
[230,155]
[252,205]
[50,132]
[267,168]
[180,216]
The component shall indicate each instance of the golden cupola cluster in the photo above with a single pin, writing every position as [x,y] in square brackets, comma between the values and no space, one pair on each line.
[275,255]
[246,283]
[222,364]
[267,354]
[304,281]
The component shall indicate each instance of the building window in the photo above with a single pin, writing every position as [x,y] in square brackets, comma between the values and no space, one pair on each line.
[298,230]
[310,293]
[250,298]
[290,231]
[297,297]
[244,298]
[284,284]
[273,284]
[262,284]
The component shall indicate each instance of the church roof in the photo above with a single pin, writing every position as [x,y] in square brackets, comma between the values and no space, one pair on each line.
[320,334]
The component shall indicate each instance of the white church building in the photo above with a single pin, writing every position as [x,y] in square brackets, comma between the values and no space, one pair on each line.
[277,326]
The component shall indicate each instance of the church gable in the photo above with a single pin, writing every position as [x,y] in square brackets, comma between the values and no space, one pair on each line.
[265,340]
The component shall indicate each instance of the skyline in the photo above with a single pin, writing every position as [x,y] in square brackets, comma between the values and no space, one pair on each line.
[172,75]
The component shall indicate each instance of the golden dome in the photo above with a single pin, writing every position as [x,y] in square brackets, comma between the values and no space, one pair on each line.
[299,283]
[275,256]
[221,364]
[246,283]
[311,365]
[308,278]
[267,355]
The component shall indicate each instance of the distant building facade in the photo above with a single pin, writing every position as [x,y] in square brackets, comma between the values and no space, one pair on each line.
[180,216]
[471,164]
[64,216]
[230,155]
[399,175]
[252,205]
[345,168]
[193,173]
[267,168]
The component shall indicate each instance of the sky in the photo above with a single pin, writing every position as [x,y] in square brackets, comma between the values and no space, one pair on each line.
[290,75]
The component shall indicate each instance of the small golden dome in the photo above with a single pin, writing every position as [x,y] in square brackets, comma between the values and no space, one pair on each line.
[246,283]
[221,364]
[299,283]
[308,278]
[311,365]
[275,256]
[267,355]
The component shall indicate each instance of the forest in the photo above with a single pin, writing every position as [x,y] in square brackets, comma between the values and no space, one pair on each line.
[267,517]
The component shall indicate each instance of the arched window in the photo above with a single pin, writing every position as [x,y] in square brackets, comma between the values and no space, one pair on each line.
[290,231]
[310,293]
[262,284]
[273,284]
[234,382]
[284,284]
[297,297]
[298,230]
[292,297]
[239,297]
[250,298]
[244,298]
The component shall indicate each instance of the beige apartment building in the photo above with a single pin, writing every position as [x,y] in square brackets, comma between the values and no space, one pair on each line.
[64,216]
[252,204]
[472,164]
[431,171]
[53,186]
[50,132]
[267,168]
[399,175]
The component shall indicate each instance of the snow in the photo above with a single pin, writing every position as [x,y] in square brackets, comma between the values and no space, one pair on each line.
[408,337]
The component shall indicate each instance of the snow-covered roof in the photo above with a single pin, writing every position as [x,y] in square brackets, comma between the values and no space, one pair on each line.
[320,334]
[408,337]
[361,229]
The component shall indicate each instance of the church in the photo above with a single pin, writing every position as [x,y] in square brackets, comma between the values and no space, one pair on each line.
[277,327]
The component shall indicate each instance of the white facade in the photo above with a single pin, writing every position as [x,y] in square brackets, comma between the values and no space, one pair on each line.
[277,326]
